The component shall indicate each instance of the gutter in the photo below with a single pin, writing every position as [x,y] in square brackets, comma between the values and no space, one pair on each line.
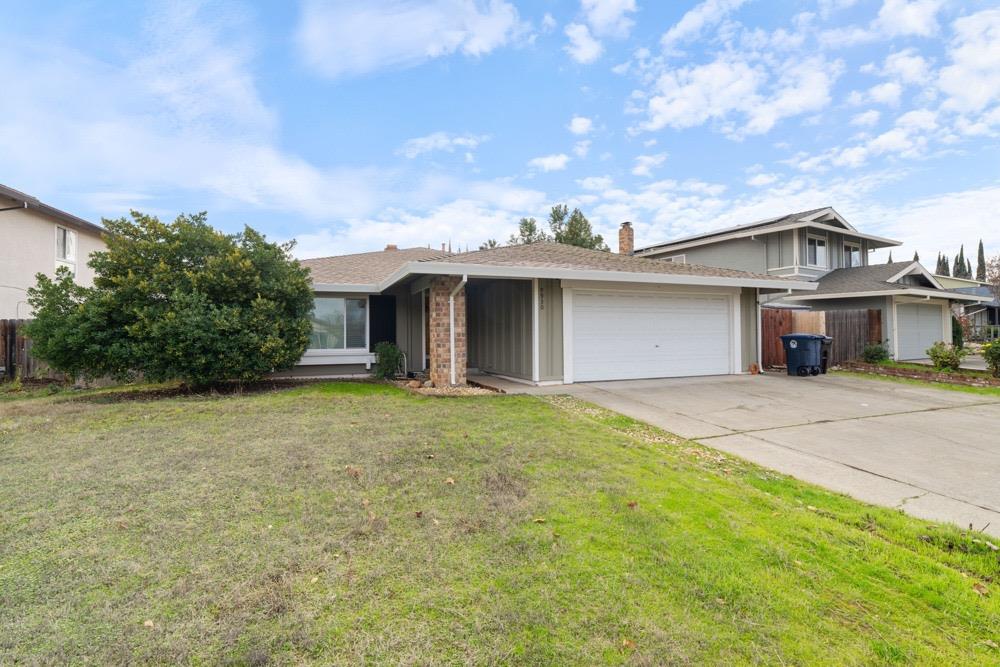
[451,325]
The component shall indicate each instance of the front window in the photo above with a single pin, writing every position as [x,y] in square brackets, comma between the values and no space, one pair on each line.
[816,251]
[66,248]
[852,255]
[339,324]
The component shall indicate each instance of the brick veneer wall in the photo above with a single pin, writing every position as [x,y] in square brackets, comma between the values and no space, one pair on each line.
[440,333]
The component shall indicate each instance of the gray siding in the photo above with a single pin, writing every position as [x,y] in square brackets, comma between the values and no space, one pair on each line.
[748,326]
[741,254]
[499,326]
[550,330]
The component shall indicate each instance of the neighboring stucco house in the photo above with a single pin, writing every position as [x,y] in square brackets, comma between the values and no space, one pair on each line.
[821,246]
[38,238]
[542,313]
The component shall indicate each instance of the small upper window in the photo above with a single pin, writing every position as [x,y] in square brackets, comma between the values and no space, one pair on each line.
[816,252]
[852,255]
[676,259]
[66,248]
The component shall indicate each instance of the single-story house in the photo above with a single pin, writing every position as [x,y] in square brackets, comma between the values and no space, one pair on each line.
[916,309]
[542,313]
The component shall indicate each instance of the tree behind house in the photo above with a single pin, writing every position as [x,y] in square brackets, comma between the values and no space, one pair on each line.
[574,229]
[981,263]
[176,301]
[528,231]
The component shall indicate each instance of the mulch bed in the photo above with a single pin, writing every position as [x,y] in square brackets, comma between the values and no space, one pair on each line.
[929,375]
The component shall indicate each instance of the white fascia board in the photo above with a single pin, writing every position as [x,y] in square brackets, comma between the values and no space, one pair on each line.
[827,210]
[346,289]
[528,272]
[676,247]
[916,267]
[954,296]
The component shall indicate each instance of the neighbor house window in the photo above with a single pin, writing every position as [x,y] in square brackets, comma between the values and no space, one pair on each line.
[676,259]
[339,324]
[852,255]
[816,251]
[66,248]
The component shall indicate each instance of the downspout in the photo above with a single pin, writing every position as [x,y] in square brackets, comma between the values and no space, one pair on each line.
[451,327]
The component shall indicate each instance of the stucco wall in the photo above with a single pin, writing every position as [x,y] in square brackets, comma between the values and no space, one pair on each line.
[28,247]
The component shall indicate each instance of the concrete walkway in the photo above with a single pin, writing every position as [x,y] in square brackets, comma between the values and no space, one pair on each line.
[932,452]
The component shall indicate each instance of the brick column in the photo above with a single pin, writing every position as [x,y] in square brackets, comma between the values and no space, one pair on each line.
[440,332]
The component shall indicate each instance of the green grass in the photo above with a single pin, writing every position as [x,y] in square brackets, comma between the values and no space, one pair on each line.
[911,366]
[948,386]
[351,523]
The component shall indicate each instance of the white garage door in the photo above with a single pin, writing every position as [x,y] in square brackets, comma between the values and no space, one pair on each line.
[631,335]
[919,327]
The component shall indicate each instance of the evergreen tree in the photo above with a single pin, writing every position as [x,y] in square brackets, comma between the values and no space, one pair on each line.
[916,256]
[528,232]
[945,268]
[968,268]
[890,258]
[959,264]
[981,263]
[489,244]
[574,229]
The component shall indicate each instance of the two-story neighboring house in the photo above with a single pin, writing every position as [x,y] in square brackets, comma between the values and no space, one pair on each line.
[821,246]
[38,238]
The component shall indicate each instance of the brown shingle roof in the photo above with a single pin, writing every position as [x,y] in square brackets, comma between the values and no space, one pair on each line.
[365,268]
[548,254]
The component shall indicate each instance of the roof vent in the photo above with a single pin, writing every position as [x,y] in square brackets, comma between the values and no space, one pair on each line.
[391,246]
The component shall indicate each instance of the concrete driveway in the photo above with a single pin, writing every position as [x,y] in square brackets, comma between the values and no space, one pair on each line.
[932,452]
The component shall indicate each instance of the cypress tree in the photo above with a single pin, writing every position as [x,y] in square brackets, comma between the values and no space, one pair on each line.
[916,256]
[981,263]
[945,268]
[890,258]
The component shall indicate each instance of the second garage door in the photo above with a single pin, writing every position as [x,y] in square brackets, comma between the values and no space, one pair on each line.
[920,326]
[632,335]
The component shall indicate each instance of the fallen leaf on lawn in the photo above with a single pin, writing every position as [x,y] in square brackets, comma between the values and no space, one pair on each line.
[436,522]
[979,588]
[539,520]
[148,623]
[314,580]
[430,456]
[365,502]
[269,526]
[628,643]
[418,514]
[991,643]
[720,600]
[632,504]
[810,508]
[449,481]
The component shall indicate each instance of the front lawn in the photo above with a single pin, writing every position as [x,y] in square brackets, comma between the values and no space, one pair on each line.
[346,523]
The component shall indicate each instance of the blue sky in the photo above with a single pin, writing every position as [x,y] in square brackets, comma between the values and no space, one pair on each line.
[350,125]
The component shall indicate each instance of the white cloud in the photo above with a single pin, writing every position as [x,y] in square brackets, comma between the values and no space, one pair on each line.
[580,125]
[582,47]
[556,162]
[884,93]
[972,80]
[696,20]
[908,17]
[760,180]
[440,141]
[595,183]
[548,23]
[344,38]
[581,148]
[866,118]
[906,66]
[609,17]
[644,164]
[693,95]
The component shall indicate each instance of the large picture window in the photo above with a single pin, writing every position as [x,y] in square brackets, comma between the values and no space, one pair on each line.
[339,324]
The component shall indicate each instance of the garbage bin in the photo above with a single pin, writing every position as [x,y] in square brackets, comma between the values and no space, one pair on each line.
[804,353]
[824,361]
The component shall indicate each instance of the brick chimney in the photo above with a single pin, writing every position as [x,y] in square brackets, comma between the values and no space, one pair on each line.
[391,246]
[626,239]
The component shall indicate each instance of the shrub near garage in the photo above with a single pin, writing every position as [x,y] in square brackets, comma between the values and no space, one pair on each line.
[946,357]
[991,353]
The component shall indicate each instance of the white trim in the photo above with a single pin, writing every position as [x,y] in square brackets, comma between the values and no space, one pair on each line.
[525,272]
[895,330]
[760,333]
[368,322]
[736,335]
[676,259]
[567,300]
[346,288]
[423,330]
[796,250]
[953,296]
[813,236]
[535,362]
[916,267]
[336,357]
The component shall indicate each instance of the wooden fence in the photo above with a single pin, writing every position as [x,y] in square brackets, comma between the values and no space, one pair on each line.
[851,330]
[15,353]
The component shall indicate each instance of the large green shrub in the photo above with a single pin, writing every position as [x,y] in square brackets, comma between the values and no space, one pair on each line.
[991,354]
[176,300]
[946,357]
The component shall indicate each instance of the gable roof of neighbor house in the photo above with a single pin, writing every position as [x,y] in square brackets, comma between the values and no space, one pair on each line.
[26,201]
[365,267]
[825,218]
[374,272]
[880,279]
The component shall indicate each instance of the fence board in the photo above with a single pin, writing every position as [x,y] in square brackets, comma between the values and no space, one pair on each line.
[775,322]
[851,330]
[15,353]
